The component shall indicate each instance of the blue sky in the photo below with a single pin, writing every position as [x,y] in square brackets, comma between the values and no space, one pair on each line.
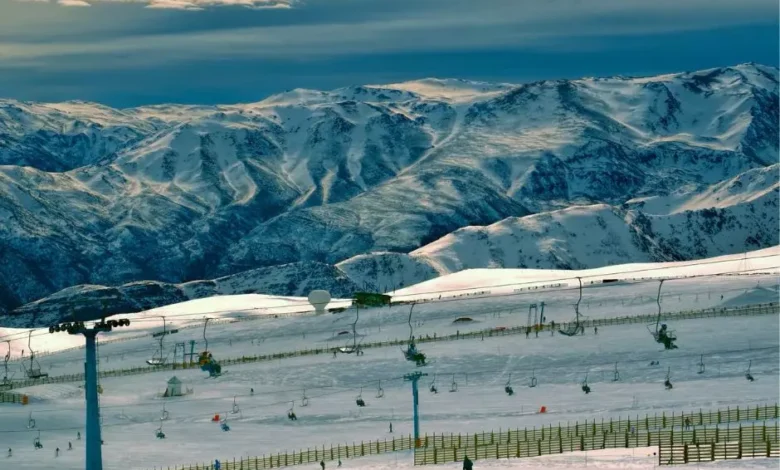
[131,52]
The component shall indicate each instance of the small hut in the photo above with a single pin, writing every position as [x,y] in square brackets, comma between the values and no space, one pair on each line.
[174,388]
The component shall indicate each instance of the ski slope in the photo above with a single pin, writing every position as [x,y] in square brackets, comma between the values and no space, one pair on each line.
[131,406]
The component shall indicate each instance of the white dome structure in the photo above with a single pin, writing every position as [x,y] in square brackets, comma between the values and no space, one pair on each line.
[319,300]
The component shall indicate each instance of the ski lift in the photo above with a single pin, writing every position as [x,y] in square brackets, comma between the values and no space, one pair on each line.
[223,424]
[164,415]
[304,399]
[291,412]
[533,382]
[701,364]
[235,410]
[157,358]
[508,387]
[380,392]
[453,385]
[662,335]
[748,375]
[432,386]
[33,372]
[37,441]
[159,434]
[616,376]
[359,399]
[585,387]
[668,381]
[575,328]
[30,422]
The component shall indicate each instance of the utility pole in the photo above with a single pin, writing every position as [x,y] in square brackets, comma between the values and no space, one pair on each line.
[94,452]
[414,378]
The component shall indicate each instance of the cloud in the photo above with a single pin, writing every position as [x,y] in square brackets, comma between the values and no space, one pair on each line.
[180,4]
[463,25]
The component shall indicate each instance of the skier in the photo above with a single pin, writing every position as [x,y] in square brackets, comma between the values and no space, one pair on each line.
[527,331]
[217,465]
[552,328]
[78,436]
[251,391]
[687,423]
[322,464]
[339,462]
[10,453]
[595,330]
[391,428]
[467,464]
[57,452]
[70,445]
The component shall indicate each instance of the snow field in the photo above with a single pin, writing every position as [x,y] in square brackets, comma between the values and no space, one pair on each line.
[131,408]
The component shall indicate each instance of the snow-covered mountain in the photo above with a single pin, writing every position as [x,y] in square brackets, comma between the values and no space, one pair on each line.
[170,193]
[737,215]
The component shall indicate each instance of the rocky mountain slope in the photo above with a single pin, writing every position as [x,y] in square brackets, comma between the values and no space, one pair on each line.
[738,215]
[94,195]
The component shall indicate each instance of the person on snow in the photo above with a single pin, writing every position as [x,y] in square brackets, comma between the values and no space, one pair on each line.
[57,452]
[70,445]
[217,465]
[596,330]
[10,452]
[467,464]
[339,462]
[78,436]
[322,464]
[391,428]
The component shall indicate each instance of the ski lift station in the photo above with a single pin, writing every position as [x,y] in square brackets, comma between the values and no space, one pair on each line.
[174,388]
[319,299]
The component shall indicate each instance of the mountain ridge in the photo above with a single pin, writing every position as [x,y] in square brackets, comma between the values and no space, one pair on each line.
[177,193]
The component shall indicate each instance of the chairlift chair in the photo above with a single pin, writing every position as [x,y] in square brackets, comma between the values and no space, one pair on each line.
[235,410]
[533,381]
[701,365]
[662,335]
[291,412]
[164,415]
[432,387]
[508,387]
[223,424]
[411,353]
[33,372]
[380,392]
[616,374]
[453,385]
[159,434]
[573,329]
[6,383]
[748,375]
[37,441]
[359,399]
[157,358]
[585,387]
[304,399]
[30,422]
[668,382]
